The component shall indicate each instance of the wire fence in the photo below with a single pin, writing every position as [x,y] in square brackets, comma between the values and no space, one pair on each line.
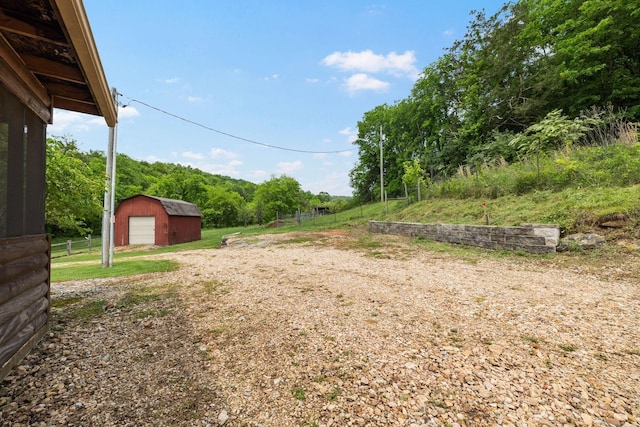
[312,218]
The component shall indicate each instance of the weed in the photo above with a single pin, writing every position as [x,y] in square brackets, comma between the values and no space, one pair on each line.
[298,393]
[137,297]
[58,303]
[568,347]
[334,394]
[91,309]
[531,339]
[634,352]
[318,379]
[214,286]
[146,313]
[601,356]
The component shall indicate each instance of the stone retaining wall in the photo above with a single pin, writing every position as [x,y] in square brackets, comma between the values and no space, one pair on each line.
[532,238]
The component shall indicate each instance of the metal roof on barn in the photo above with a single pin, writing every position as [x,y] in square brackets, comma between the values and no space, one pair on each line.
[177,207]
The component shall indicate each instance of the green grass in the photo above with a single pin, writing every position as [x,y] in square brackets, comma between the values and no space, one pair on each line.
[88,310]
[298,393]
[578,193]
[123,268]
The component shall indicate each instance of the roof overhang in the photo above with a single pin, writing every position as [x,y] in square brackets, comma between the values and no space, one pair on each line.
[49,59]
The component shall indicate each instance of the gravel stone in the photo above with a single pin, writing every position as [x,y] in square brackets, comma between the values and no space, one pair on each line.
[303,329]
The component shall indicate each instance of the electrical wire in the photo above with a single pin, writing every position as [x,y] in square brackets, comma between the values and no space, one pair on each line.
[251,141]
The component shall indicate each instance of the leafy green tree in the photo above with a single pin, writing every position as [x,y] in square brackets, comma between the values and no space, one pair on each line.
[365,176]
[277,196]
[222,208]
[553,132]
[74,191]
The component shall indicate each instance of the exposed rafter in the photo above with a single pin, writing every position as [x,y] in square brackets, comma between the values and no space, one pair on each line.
[54,52]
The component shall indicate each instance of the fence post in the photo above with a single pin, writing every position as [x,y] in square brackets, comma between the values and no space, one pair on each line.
[89,239]
[68,247]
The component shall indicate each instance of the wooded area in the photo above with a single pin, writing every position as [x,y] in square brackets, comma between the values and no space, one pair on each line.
[76,187]
[534,60]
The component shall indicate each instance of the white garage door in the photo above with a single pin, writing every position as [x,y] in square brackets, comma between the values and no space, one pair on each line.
[142,230]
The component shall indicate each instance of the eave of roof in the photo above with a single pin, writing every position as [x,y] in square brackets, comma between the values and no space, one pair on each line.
[49,59]
[74,18]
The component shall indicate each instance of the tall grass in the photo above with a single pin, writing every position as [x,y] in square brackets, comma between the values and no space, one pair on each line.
[602,166]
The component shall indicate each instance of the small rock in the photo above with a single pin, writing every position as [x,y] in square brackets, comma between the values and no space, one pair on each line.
[496,349]
[223,417]
[587,420]
[581,240]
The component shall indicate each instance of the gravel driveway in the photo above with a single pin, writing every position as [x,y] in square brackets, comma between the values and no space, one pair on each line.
[324,329]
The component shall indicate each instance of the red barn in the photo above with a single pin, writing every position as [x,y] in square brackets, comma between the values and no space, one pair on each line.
[150,220]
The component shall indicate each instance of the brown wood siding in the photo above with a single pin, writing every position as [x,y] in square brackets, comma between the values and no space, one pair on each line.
[184,229]
[140,206]
[24,296]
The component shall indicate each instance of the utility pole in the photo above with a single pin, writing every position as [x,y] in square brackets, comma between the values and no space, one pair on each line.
[381,167]
[109,194]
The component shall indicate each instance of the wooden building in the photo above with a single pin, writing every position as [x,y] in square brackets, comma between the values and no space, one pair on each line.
[48,59]
[150,220]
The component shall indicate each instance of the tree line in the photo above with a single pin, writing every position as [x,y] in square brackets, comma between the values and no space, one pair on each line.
[76,183]
[534,62]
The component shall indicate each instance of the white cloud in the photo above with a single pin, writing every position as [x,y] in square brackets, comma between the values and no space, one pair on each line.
[192,155]
[289,167]
[369,62]
[171,80]
[259,175]
[320,155]
[225,169]
[313,80]
[333,183]
[194,99]
[219,153]
[351,134]
[153,159]
[125,112]
[70,122]
[448,33]
[363,81]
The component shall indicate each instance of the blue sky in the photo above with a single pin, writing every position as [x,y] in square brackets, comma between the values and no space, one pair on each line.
[291,74]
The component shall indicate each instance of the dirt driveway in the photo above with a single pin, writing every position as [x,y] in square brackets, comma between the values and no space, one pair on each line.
[335,330]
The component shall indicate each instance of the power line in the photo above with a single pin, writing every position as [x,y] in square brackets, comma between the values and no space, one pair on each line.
[251,141]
